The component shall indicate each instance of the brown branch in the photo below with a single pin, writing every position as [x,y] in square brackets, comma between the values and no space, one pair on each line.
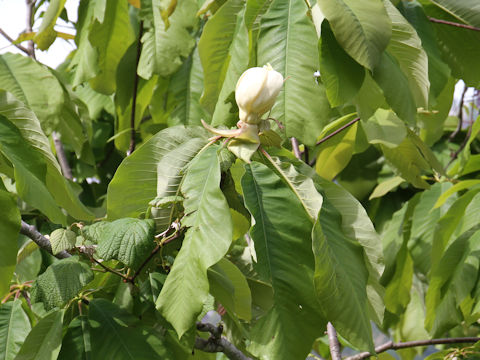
[217,343]
[30,15]
[333,342]
[62,158]
[147,260]
[296,149]
[451,23]
[40,240]
[462,146]
[18,46]
[131,148]
[408,344]
[337,131]
[459,114]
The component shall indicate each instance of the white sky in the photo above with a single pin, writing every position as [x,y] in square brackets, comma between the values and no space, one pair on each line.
[12,21]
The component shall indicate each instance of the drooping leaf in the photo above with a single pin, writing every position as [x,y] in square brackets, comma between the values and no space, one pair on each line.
[127,240]
[14,328]
[9,228]
[61,282]
[46,34]
[294,317]
[76,343]
[206,242]
[45,339]
[288,41]
[164,48]
[362,28]
[62,239]
[384,127]
[153,170]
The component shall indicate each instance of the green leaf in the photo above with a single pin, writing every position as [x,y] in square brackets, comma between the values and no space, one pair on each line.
[341,278]
[14,328]
[288,41]
[165,48]
[463,10]
[385,187]
[397,291]
[127,240]
[76,343]
[62,239]
[116,334]
[206,242]
[153,170]
[462,185]
[45,339]
[33,147]
[288,330]
[229,286]
[9,228]
[362,28]
[61,282]
[341,75]
[215,46]
[384,127]
[254,11]
[46,34]
[335,153]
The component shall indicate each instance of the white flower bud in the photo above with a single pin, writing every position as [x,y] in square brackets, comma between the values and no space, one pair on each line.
[256,92]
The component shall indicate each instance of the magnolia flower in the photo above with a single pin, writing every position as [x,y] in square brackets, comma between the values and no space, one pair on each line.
[256,92]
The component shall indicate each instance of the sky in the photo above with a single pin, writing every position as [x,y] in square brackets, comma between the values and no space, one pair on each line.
[12,21]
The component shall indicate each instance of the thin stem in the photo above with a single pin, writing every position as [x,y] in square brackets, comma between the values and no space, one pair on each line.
[333,342]
[108,269]
[408,344]
[296,149]
[61,156]
[40,240]
[451,23]
[131,148]
[18,46]
[30,14]
[139,270]
[459,114]
[338,131]
[462,146]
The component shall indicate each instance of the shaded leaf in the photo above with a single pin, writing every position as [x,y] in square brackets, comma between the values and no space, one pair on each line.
[384,127]
[76,343]
[14,328]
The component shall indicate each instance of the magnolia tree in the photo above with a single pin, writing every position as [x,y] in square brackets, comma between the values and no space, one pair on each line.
[242,179]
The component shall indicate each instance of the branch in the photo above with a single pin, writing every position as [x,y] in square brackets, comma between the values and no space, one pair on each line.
[217,343]
[459,114]
[40,240]
[408,344]
[139,270]
[18,46]
[30,14]
[333,342]
[62,158]
[338,130]
[296,149]
[451,23]
[131,148]
[461,147]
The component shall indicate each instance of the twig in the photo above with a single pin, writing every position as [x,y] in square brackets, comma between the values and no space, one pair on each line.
[296,149]
[460,115]
[408,344]
[217,343]
[152,254]
[62,158]
[30,13]
[462,146]
[18,46]
[337,131]
[451,23]
[40,240]
[108,269]
[131,148]
[333,342]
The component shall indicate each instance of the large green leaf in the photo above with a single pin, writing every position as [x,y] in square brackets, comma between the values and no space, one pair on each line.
[127,240]
[288,330]
[46,35]
[215,47]
[206,242]
[341,278]
[154,169]
[9,228]
[165,47]
[464,10]
[116,334]
[76,343]
[361,27]
[384,127]
[341,75]
[45,339]
[229,286]
[111,38]
[14,328]
[34,158]
[61,282]
[288,41]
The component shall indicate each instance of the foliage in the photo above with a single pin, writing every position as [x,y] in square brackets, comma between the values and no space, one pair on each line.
[356,202]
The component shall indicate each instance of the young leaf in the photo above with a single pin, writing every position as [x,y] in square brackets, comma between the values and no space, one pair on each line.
[46,34]
[62,239]
[206,242]
[14,328]
[61,282]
